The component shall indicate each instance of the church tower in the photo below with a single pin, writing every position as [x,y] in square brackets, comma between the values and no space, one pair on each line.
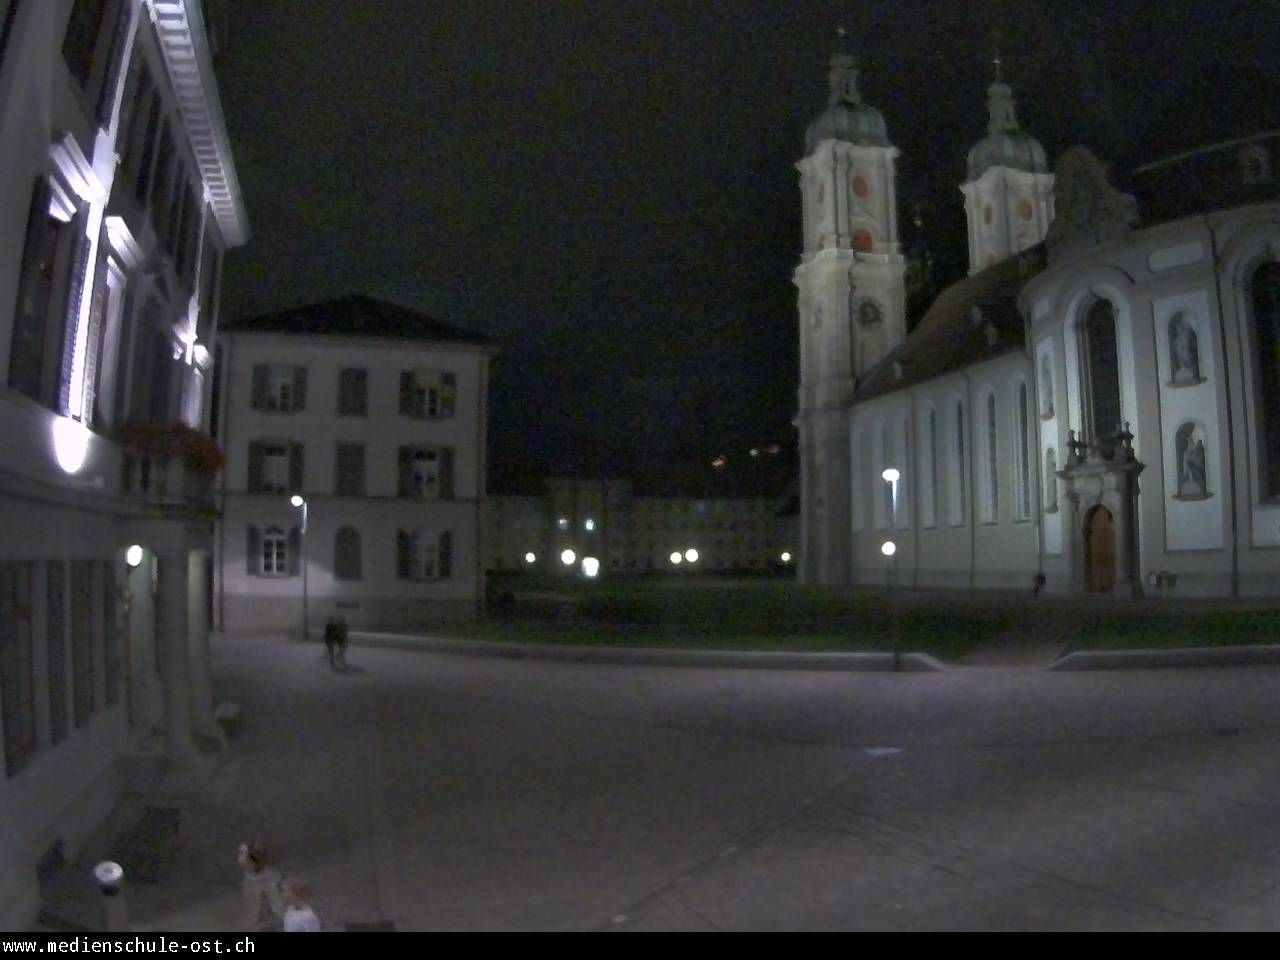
[1009,193]
[851,302]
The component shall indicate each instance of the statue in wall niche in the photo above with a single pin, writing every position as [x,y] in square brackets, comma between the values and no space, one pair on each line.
[1184,350]
[1046,387]
[1051,480]
[1191,462]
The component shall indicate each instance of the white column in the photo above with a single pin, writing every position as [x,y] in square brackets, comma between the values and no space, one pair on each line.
[171,624]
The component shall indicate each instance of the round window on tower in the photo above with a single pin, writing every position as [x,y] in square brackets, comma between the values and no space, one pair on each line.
[862,240]
[1024,209]
[860,188]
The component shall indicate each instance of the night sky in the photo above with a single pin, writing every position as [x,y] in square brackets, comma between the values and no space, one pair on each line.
[608,188]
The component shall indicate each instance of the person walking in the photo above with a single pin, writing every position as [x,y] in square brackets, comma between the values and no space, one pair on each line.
[262,903]
[299,915]
[331,643]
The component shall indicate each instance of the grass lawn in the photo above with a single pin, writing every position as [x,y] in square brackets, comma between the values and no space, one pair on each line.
[1188,628]
[763,614]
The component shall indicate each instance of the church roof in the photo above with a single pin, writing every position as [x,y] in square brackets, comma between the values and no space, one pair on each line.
[847,118]
[357,316]
[972,320]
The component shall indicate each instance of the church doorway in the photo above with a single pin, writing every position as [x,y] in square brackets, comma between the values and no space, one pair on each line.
[1100,550]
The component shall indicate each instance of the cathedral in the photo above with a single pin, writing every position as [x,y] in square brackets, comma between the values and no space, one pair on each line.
[1094,408]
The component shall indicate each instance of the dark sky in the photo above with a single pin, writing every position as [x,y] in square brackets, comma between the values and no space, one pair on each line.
[608,187]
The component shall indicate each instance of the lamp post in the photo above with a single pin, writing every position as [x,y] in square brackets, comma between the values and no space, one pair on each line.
[891,477]
[300,502]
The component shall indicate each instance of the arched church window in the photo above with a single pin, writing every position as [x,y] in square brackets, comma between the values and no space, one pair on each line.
[1188,445]
[1046,388]
[933,474]
[1022,500]
[1184,351]
[960,488]
[1266,320]
[1102,371]
[1051,481]
[991,507]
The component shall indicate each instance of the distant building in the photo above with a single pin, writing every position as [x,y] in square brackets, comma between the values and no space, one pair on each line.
[376,415]
[1097,403]
[120,197]
[728,515]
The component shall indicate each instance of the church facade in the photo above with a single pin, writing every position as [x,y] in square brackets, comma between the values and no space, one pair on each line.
[1097,404]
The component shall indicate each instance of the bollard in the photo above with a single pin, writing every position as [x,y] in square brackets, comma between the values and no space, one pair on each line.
[109,876]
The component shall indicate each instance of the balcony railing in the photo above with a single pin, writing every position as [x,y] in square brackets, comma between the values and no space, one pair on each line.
[169,465]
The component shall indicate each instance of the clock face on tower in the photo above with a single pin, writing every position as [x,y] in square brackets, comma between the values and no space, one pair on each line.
[868,313]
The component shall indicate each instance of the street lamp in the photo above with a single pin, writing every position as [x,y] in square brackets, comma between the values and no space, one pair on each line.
[299,502]
[568,558]
[691,555]
[890,551]
[590,567]
[676,558]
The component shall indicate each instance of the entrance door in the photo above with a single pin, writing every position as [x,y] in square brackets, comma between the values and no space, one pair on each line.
[1100,550]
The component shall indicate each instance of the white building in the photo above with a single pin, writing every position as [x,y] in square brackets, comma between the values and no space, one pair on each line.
[1097,404]
[714,521]
[120,196]
[375,415]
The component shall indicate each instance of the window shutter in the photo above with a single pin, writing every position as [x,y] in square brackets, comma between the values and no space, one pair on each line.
[79,272]
[295,468]
[295,551]
[406,393]
[446,555]
[253,553]
[299,388]
[446,473]
[403,484]
[259,401]
[402,554]
[255,465]
[448,394]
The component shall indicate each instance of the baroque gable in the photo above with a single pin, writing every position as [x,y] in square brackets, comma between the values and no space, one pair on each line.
[1088,211]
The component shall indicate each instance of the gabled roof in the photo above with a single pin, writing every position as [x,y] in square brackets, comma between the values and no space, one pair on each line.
[952,335]
[358,316]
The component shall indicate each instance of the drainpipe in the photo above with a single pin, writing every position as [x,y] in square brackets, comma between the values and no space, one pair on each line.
[1231,433]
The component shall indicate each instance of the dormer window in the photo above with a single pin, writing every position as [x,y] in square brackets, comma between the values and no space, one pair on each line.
[1255,164]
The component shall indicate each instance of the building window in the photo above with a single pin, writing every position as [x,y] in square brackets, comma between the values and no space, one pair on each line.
[111,662]
[349,470]
[346,554]
[427,394]
[83,30]
[1266,320]
[426,472]
[56,645]
[1022,467]
[1255,165]
[991,502]
[275,552]
[83,668]
[275,466]
[145,156]
[933,474]
[31,355]
[1102,371]
[423,555]
[353,392]
[959,489]
[17,666]
[1046,387]
[279,388]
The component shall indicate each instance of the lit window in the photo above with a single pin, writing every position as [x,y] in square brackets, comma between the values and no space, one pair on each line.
[275,552]
[427,394]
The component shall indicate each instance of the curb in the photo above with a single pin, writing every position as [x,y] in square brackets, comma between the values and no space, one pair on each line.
[650,657]
[1169,659]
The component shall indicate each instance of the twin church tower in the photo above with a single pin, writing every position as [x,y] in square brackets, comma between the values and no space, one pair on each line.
[852,297]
